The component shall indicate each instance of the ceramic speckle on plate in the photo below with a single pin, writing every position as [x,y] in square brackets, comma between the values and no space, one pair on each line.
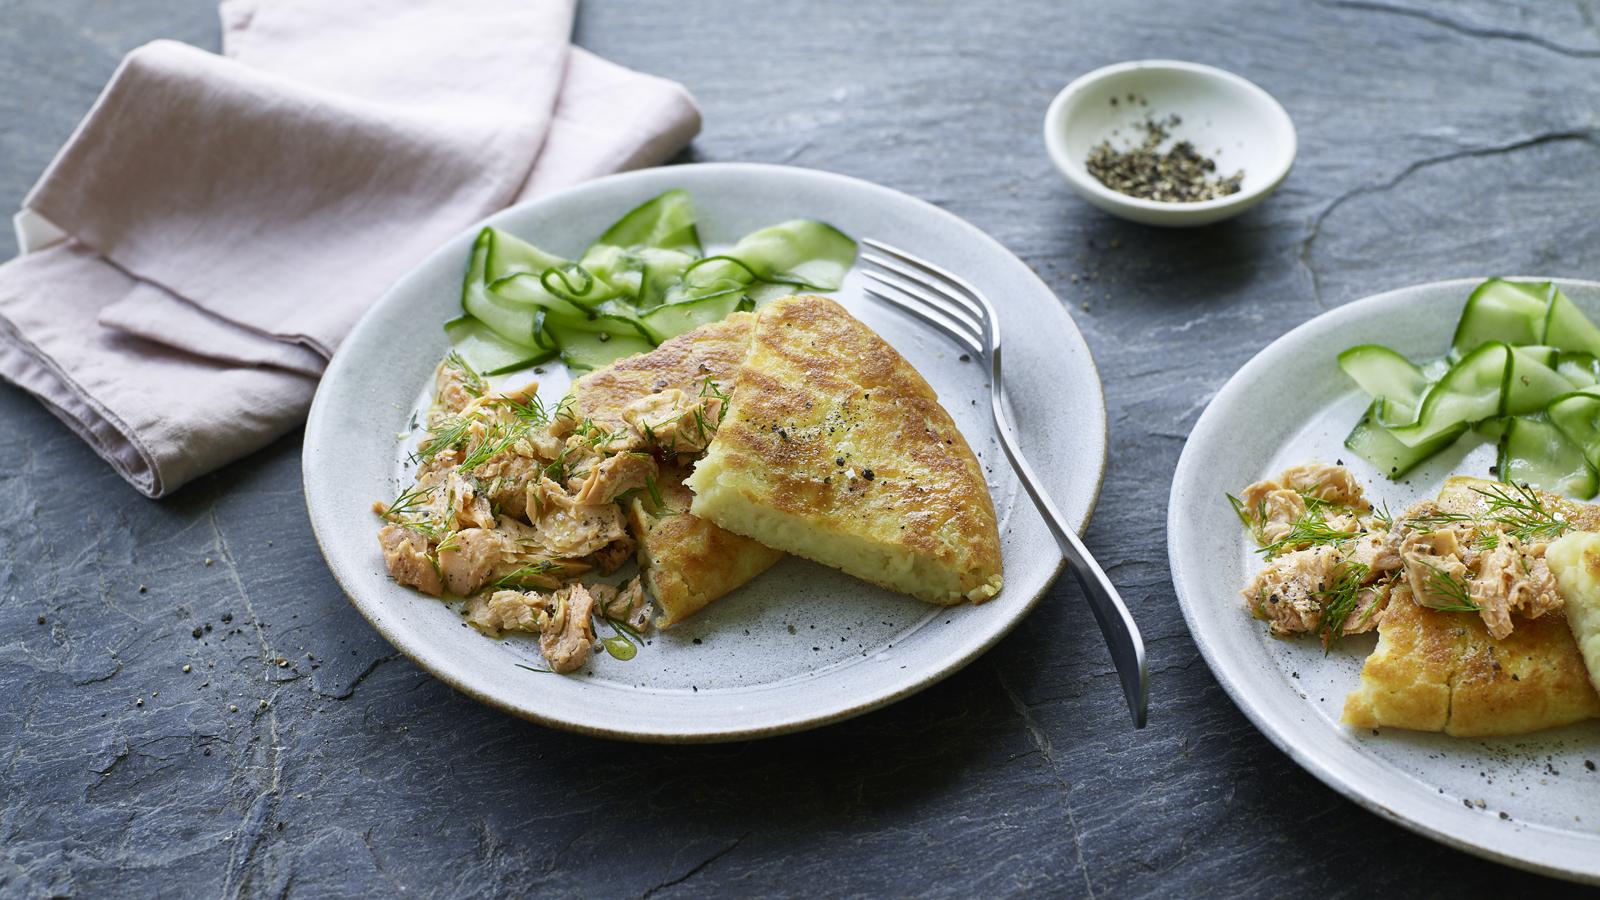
[801,645]
[1531,800]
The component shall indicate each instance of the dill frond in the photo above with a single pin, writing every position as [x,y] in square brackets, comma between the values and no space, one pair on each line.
[1381,514]
[709,389]
[451,434]
[563,409]
[1240,511]
[1371,609]
[517,577]
[495,441]
[1310,530]
[702,428]
[623,627]
[1251,524]
[1523,513]
[530,412]
[1339,600]
[470,379]
[1435,521]
[1452,588]
[410,500]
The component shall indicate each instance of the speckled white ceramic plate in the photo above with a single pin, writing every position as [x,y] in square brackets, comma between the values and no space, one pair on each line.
[802,645]
[1530,801]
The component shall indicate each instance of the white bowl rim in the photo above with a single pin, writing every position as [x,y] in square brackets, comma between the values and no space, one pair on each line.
[1054,137]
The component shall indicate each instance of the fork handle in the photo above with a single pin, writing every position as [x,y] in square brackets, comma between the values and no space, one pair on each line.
[1116,623]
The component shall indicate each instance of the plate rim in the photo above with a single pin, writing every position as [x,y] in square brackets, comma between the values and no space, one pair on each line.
[719,734]
[1299,748]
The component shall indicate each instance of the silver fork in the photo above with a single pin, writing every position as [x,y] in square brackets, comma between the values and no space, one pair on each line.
[950,304]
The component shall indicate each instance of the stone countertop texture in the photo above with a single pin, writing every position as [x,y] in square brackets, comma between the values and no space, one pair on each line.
[1439,142]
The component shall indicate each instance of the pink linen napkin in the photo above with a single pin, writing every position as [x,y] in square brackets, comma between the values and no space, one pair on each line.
[216,224]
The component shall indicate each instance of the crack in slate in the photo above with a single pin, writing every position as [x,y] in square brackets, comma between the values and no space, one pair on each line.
[96,679]
[350,688]
[122,756]
[264,807]
[1042,742]
[1465,28]
[1315,231]
[697,869]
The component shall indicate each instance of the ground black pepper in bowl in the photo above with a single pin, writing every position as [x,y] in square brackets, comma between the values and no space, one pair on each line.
[1179,175]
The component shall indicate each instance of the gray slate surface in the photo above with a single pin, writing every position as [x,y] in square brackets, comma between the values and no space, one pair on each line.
[1434,144]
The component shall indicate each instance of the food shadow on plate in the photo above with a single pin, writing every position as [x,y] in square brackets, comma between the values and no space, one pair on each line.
[796,621]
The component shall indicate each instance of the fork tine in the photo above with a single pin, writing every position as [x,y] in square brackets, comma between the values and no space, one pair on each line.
[949,318]
[980,304]
[950,298]
[945,289]
[939,324]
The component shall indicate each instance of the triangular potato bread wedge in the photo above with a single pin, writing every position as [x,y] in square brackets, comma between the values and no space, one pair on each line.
[1443,671]
[686,562]
[835,449]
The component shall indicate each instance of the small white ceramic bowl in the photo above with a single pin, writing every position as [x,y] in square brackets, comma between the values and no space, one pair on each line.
[1226,117]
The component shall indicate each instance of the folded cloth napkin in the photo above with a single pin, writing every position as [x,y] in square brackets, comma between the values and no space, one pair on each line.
[194,254]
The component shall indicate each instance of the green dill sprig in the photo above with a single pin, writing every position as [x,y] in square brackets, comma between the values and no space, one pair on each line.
[496,440]
[563,409]
[1434,521]
[1523,513]
[530,411]
[1310,530]
[1454,589]
[1251,524]
[1486,540]
[517,578]
[410,500]
[1339,600]
[1387,583]
[1382,515]
[704,429]
[410,510]
[450,434]
[709,389]
[470,379]
[535,669]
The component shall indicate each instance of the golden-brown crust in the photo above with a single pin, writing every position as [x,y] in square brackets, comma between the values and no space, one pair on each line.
[1532,679]
[685,362]
[1443,671]
[832,428]
[686,561]
[1405,683]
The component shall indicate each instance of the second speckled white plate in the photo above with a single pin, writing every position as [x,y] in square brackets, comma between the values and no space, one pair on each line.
[1531,801]
[801,645]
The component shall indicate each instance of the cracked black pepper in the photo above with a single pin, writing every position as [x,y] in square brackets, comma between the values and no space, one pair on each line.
[1178,175]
